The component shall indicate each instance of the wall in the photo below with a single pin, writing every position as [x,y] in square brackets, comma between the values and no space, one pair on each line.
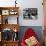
[44,12]
[7,3]
[31,4]
[27,4]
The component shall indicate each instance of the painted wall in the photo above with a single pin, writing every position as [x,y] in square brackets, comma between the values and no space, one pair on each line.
[26,4]
[31,4]
[7,3]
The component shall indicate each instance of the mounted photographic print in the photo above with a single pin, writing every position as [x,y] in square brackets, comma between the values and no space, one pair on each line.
[30,13]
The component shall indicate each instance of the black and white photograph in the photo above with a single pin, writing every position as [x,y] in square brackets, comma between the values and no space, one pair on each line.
[30,13]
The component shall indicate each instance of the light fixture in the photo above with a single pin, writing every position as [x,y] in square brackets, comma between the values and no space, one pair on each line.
[15,3]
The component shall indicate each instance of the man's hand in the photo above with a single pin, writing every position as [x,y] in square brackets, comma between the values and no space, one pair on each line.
[32,41]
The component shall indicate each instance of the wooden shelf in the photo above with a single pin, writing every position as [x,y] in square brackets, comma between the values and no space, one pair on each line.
[5,8]
[9,43]
[11,26]
[4,13]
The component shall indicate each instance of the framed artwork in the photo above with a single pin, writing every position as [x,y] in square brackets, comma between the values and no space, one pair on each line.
[30,13]
[5,12]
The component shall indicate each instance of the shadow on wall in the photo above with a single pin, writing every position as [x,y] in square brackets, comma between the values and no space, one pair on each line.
[37,29]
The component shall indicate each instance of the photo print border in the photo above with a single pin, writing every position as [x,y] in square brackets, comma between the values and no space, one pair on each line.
[30,13]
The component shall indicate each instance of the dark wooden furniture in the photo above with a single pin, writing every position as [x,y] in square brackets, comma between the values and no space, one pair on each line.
[10,43]
[0,43]
[4,13]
